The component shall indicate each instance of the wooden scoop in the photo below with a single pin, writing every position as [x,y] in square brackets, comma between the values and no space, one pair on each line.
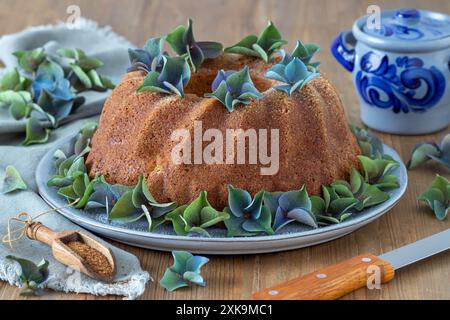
[64,254]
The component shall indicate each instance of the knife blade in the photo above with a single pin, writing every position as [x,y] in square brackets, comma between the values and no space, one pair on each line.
[342,278]
[418,250]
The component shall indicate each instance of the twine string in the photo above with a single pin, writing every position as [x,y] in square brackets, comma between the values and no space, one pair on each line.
[26,220]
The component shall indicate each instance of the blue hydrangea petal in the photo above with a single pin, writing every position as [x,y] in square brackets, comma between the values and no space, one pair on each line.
[154,48]
[63,109]
[219,94]
[234,226]
[295,71]
[194,278]
[296,86]
[238,201]
[210,49]
[311,77]
[195,263]
[445,146]
[229,101]
[285,57]
[237,79]
[252,226]
[196,56]
[295,199]
[180,261]
[221,76]
[262,224]
[239,101]
[249,90]
[52,69]
[271,201]
[284,87]
[254,209]
[185,74]
[280,220]
[302,216]
[171,281]
[175,88]
[139,55]
[276,75]
[62,90]
[42,82]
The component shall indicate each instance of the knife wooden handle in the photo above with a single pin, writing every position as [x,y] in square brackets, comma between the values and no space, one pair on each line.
[331,282]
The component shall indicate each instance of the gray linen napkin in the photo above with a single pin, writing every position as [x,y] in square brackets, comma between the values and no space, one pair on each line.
[111,49]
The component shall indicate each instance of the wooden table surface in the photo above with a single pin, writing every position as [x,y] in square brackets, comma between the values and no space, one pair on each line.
[319,21]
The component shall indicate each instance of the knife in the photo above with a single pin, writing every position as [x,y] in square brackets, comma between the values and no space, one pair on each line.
[345,277]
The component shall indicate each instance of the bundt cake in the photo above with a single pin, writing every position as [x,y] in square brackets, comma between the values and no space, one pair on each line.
[134,137]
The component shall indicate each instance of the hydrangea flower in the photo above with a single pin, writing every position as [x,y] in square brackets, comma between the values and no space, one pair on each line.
[294,76]
[232,88]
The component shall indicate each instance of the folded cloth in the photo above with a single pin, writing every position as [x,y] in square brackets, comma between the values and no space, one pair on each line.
[111,49]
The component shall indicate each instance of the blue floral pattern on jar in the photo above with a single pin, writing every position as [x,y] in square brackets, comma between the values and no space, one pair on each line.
[401,32]
[404,86]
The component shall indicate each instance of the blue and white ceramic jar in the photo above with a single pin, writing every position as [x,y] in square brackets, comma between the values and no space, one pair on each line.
[401,70]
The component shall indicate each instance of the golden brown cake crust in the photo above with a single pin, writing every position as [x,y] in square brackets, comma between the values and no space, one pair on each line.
[134,136]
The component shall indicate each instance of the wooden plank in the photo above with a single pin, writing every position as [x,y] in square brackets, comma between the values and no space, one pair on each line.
[227,21]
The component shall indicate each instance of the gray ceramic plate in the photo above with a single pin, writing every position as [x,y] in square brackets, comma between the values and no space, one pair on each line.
[291,237]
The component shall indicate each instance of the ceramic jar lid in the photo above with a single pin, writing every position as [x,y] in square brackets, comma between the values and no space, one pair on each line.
[411,25]
[405,30]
